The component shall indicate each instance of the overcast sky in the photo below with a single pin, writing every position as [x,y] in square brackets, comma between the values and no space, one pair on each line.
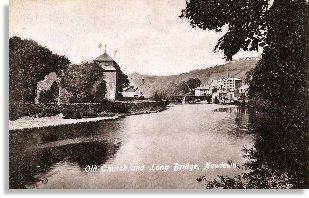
[144,36]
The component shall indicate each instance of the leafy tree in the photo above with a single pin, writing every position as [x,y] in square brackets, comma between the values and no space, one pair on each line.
[193,83]
[281,28]
[85,82]
[30,63]
[246,21]
[122,82]
[183,88]
[99,91]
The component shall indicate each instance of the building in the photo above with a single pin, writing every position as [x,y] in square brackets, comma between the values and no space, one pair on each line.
[227,89]
[45,85]
[141,91]
[203,90]
[216,84]
[111,70]
[129,92]
[231,83]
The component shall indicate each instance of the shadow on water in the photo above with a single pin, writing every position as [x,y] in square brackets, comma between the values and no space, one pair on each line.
[36,152]
[278,158]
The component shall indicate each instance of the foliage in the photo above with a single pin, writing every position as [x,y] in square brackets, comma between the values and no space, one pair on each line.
[278,159]
[280,27]
[51,95]
[30,63]
[246,22]
[282,75]
[193,83]
[122,81]
[85,82]
[188,86]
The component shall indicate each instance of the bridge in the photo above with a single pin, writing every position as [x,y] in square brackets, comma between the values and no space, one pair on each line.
[186,98]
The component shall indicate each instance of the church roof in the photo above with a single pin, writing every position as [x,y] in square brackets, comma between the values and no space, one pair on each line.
[104,57]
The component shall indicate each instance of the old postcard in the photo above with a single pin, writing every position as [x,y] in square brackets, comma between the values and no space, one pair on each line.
[167,94]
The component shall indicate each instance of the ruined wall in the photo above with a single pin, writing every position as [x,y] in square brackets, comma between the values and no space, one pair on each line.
[110,78]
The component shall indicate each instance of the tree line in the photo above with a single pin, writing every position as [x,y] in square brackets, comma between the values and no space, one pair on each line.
[30,62]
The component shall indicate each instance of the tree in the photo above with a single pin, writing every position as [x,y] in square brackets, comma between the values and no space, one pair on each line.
[193,83]
[246,21]
[122,82]
[99,91]
[29,63]
[85,82]
[280,28]
[183,88]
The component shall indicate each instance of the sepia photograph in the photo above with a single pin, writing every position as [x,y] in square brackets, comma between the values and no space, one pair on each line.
[158,94]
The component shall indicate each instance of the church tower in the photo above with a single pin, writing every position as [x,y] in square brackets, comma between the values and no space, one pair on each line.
[110,74]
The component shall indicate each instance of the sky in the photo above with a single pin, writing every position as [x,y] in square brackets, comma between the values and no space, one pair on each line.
[143,36]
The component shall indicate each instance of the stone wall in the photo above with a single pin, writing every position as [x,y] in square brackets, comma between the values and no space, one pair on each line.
[110,78]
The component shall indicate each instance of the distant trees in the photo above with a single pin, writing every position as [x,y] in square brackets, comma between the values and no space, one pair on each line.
[29,63]
[85,82]
[193,83]
[188,86]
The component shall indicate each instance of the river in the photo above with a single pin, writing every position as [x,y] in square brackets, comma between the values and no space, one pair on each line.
[143,150]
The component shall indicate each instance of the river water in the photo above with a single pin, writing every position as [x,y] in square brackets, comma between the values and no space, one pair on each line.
[145,150]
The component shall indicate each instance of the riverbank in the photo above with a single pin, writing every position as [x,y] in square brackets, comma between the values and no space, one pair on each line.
[28,122]
[31,122]
[24,116]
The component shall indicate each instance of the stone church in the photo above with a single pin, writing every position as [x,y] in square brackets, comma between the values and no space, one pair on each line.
[111,69]
[110,76]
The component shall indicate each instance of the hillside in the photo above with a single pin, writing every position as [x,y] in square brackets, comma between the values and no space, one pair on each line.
[167,85]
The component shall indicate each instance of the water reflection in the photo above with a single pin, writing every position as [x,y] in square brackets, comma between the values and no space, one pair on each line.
[277,160]
[34,152]
[271,157]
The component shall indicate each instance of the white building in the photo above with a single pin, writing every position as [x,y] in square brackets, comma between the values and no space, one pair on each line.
[129,92]
[231,83]
[203,90]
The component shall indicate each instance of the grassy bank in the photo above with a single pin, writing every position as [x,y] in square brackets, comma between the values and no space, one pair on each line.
[85,110]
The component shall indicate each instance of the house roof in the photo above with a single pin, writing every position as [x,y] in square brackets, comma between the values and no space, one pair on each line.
[104,57]
[129,89]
